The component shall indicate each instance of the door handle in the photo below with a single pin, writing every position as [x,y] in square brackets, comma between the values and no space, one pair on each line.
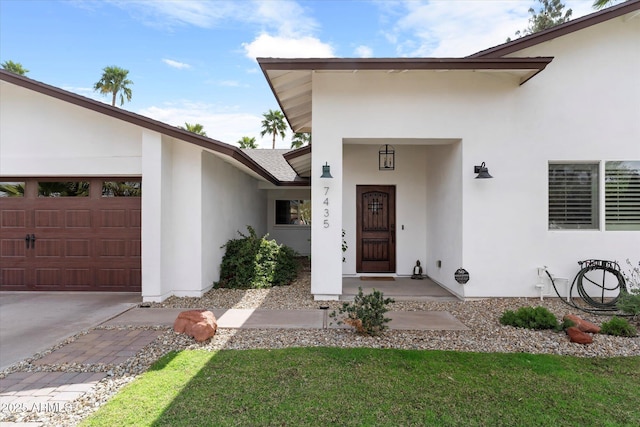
[30,240]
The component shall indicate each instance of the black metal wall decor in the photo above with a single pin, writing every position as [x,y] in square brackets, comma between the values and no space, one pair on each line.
[386,158]
[482,171]
[462,276]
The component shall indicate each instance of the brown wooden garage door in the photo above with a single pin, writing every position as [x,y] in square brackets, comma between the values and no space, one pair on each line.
[70,235]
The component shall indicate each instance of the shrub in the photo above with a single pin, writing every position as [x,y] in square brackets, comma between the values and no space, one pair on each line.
[530,318]
[366,313]
[629,302]
[618,327]
[253,262]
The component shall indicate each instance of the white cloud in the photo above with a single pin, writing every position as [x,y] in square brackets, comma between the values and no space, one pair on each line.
[269,46]
[220,123]
[176,64]
[455,28]
[364,52]
[170,13]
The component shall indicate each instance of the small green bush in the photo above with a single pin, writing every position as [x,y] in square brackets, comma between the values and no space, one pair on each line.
[530,318]
[366,313]
[253,262]
[629,302]
[618,327]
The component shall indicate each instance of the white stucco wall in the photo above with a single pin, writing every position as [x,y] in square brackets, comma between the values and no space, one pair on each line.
[193,202]
[298,237]
[409,178]
[231,201]
[583,107]
[43,136]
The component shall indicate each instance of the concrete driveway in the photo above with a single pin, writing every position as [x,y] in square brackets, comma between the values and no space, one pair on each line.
[31,322]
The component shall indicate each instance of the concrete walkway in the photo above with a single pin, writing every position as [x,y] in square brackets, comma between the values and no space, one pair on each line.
[34,321]
[287,319]
[45,319]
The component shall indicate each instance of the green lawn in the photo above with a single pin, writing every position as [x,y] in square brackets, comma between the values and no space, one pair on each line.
[329,386]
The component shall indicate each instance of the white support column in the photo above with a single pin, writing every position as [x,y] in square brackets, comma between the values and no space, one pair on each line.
[326,228]
[152,215]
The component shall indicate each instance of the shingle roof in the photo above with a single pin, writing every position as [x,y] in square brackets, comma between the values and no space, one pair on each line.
[275,163]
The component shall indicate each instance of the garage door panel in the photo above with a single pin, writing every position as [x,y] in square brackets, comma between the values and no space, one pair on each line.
[48,219]
[136,249]
[79,278]
[78,248]
[11,278]
[113,248]
[87,243]
[78,218]
[48,248]
[135,218]
[48,277]
[13,248]
[113,218]
[14,219]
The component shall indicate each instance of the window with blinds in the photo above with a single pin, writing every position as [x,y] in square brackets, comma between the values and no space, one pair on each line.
[573,196]
[622,195]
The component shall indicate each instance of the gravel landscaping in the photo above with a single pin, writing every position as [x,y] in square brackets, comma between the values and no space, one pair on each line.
[486,334]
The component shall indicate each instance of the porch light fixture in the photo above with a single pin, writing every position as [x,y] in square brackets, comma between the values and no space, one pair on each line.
[386,158]
[326,171]
[482,171]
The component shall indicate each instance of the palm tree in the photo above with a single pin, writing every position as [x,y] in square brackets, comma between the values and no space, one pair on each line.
[601,4]
[246,142]
[273,124]
[14,67]
[114,80]
[300,138]
[195,128]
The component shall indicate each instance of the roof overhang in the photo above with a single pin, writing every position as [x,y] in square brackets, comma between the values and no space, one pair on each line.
[291,79]
[229,153]
[300,161]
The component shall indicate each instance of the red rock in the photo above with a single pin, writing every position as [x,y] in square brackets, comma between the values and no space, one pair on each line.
[577,336]
[199,324]
[583,325]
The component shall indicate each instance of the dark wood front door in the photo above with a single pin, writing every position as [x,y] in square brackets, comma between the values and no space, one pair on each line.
[376,229]
[88,243]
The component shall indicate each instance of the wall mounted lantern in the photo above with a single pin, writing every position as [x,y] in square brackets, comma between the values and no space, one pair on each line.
[482,171]
[326,171]
[386,158]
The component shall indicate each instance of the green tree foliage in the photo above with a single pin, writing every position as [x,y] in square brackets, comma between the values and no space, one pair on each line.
[253,262]
[113,81]
[273,124]
[195,128]
[601,4]
[14,67]
[550,14]
[300,139]
[246,142]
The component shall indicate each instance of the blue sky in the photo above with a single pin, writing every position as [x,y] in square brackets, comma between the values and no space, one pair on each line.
[194,61]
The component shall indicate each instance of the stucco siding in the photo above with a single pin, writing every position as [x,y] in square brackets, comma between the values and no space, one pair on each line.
[43,136]
[231,200]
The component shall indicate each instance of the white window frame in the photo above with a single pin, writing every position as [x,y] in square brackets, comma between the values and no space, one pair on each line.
[594,168]
[630,209]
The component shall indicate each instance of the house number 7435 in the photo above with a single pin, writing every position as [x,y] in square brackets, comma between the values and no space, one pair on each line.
[325,224]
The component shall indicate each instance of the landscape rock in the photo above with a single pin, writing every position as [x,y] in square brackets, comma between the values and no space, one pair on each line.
[199,324]
[583,325]
[577,336]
